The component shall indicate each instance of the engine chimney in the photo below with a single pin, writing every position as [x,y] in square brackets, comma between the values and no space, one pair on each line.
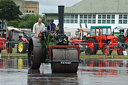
[61,19]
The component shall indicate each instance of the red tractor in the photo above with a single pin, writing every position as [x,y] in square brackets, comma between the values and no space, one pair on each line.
[3,37]
[101,38]
[81,39]
[9,36]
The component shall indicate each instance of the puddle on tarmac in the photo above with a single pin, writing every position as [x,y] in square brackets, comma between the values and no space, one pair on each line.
[90,71]
[101,67]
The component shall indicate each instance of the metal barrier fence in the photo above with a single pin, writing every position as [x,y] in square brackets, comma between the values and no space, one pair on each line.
[15,52]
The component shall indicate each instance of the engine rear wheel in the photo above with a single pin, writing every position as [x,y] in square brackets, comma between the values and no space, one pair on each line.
[61,55]
[92,43]
[34,53]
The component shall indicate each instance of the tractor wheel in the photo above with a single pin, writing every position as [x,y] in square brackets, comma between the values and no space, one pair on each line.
[22,47]
[120,51]
[110,52]
[61,55]
[34,53]
[122,39]
[92,43]
[106,51]
[9,49]
[88,51]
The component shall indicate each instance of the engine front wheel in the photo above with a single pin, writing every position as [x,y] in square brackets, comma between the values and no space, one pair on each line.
[34,54]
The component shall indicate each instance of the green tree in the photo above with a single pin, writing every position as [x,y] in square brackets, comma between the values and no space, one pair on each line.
[9,10]
[13,23]
[28,21]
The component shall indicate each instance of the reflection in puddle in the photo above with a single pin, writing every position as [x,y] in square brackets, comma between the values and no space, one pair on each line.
[104,67]
[90,72]
[12,63]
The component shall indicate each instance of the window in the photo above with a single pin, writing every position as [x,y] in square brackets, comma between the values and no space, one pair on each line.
[97,32]
[92,32]
[88,18]
[106,19]
[123,19]
[105,31]
[71,18]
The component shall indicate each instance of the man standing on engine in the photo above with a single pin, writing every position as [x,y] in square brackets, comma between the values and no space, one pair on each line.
[51,26]
[38,27]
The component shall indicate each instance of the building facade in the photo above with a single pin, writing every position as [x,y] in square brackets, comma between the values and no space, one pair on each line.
[112,13]
[31,7]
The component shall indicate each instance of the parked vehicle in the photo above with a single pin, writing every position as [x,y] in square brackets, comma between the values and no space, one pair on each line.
[101,38]
[122,36]
[9,36]
[81,39]
[4,37]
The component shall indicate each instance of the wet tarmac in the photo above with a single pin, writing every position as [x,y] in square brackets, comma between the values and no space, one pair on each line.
[90,72]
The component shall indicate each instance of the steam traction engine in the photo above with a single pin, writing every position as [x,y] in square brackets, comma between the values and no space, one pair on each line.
[63,57]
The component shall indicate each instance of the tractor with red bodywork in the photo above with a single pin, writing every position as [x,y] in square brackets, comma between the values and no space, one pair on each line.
[9,36]
[101,38]
[81,39]
[4,36]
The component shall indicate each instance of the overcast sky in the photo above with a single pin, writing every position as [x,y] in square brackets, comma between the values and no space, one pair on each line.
[51,6]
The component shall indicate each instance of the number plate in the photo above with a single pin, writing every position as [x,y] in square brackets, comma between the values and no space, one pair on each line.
[65,62]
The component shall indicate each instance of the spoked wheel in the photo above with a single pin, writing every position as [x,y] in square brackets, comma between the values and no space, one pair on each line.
[61,55]
[22,47]
[34,53]
[88,51]
[106,51]
[110,52]
[122,39]
[92,43]
[120,51]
